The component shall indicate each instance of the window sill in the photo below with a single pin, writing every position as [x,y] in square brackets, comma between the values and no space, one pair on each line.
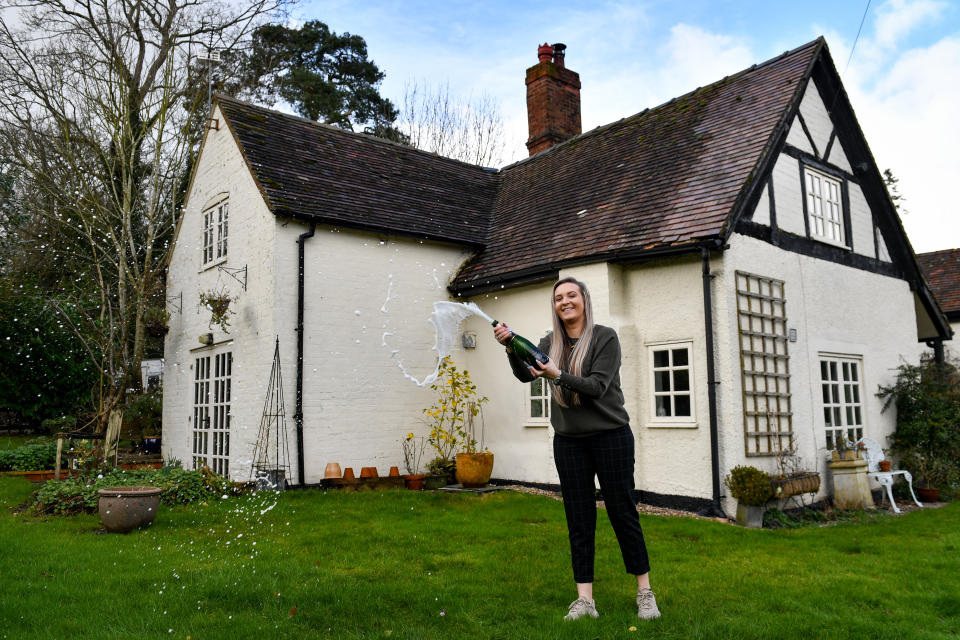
[536,425]
[211,265]
[828,241]
[672,425]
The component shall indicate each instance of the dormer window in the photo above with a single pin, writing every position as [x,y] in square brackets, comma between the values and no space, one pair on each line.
[215,231]
[824,195]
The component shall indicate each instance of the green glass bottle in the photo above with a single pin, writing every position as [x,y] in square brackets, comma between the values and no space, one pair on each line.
[524,349]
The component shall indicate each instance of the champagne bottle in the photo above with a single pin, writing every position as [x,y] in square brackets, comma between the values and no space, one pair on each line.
[524,349]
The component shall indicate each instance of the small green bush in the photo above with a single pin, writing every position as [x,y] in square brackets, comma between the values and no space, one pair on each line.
[178,486]
[29,457]
[927,437]
[53,426]
[749,485]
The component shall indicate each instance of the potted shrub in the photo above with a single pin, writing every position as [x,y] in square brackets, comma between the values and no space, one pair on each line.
[751,487]
[475,462]
[930,473]
[457,397]
[412,453]
[218,302]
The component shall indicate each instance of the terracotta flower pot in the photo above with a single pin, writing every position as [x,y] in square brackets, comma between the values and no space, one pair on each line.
[394,472]
[884,465]
[369,472]
[474,469]
[332,471]
[124,509]
[348,474]
[414,481]
[928,495]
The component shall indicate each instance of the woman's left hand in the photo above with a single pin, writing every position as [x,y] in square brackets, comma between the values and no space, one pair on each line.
[548,370]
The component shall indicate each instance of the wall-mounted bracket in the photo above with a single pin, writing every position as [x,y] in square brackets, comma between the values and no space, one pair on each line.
[176,302]
[235,274]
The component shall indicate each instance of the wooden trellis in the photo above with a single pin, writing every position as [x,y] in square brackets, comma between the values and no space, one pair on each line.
[765,365]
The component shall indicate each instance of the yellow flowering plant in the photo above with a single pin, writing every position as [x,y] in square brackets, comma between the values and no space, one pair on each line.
[456,404]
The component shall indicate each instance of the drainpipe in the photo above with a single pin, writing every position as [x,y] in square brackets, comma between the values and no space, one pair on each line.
[298,414]
[711,382]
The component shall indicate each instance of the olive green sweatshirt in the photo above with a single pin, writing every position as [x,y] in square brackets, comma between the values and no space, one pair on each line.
[601,399]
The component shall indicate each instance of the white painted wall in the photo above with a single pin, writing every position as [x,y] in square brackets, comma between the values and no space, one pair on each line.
[834,309]
[220,169]
[367,306]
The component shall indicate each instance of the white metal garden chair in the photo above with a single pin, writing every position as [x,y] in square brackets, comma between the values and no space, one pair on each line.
[873,455]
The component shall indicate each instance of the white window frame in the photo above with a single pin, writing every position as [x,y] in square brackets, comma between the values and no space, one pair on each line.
[824,198]
[841,397]
[215,232]
[672,421]
[212,385]
[532,396]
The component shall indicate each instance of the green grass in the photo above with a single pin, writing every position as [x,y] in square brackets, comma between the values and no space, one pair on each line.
[436,565]
[13,442]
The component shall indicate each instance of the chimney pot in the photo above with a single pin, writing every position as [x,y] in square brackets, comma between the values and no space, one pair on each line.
[558,54]
[545,52]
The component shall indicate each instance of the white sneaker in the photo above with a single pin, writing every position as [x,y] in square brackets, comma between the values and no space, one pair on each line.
[582,607]
[647,605]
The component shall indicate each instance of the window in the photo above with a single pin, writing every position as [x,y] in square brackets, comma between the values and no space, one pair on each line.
[672,399]
[211,413]
[765,370]
[215,231]
[825,206]
[538,402]
[842,404]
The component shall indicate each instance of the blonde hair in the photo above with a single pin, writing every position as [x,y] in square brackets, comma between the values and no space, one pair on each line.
[560,352]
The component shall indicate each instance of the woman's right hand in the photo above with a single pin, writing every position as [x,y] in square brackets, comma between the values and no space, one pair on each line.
[502,333]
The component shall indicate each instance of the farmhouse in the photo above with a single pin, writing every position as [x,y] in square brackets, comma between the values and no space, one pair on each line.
[739,238]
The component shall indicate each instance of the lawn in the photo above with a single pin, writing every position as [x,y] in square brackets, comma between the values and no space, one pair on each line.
[314,564]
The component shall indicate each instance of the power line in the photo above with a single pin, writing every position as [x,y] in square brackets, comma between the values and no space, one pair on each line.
[862,20]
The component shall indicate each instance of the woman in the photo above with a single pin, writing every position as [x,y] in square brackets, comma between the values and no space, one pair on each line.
[593,438]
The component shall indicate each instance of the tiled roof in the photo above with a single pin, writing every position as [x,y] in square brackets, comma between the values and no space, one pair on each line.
[665,177]
[942,269]
[320,173]
[668,177]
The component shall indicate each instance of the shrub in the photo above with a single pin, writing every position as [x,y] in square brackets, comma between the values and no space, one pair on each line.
[927,437]
[749,485]
[29,457]
[144,413]
[53,426]
[457,401]
[178,486]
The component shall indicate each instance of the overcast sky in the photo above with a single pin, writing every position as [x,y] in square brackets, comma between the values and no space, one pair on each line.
[903,79]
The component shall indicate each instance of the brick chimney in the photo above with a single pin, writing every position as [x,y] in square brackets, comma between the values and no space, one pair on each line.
[553,100]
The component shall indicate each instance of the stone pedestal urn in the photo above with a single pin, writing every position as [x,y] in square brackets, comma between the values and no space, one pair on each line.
[851,490]
[123,509]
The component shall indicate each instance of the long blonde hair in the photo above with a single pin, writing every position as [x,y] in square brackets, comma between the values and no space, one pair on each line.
[560,351]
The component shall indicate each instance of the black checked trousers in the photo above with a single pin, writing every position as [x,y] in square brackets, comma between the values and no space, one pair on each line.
[609,456]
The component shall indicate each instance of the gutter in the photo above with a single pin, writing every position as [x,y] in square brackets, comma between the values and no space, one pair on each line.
[716,508]
[298,413]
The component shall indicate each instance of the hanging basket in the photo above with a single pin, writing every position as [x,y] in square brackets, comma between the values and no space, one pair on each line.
[795,484]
